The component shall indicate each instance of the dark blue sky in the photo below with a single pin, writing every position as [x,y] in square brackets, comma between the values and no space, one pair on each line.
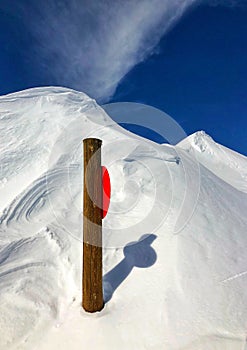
[198,75]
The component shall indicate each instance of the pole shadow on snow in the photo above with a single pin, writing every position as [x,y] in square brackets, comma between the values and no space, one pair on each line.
[136,254]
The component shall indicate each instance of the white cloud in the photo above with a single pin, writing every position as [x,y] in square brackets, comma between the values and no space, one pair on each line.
[91,45]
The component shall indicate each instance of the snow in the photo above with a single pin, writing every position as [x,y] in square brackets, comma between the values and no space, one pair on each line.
[181,285]
[225,163]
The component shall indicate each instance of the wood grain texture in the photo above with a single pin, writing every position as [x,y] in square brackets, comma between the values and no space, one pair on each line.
[92,288]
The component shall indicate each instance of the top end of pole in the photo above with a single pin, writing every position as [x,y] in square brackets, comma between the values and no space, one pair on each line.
[92,140]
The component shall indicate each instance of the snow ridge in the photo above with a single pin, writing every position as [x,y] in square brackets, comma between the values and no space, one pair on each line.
[174,238]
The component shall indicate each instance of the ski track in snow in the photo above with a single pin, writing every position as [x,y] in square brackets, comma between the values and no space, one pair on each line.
[234,277]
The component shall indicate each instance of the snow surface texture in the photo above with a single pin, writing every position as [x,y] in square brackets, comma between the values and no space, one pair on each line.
[181,284]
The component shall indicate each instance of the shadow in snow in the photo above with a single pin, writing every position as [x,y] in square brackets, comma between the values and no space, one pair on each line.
[139,254]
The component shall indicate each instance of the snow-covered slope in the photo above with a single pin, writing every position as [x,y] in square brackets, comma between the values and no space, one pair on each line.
[181,284]
[225,163]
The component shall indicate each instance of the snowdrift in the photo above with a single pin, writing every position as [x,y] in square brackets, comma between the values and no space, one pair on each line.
[175,240]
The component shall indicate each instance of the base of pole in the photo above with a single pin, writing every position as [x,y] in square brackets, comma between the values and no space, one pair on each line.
[92,311]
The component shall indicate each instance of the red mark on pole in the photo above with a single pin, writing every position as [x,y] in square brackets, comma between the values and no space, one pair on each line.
[106,190]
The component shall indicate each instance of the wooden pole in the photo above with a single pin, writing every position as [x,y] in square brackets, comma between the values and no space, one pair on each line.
[92,288]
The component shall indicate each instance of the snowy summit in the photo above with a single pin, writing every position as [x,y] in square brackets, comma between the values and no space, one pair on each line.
[175,262]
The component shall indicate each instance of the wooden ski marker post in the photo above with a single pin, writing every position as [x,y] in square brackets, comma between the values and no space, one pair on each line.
[92,286]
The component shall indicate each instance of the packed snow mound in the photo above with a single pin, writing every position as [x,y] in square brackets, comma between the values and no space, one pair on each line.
[174,238]
[225,163]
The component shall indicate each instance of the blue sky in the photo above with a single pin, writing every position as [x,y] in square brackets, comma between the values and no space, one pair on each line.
[185,57]
[199,76]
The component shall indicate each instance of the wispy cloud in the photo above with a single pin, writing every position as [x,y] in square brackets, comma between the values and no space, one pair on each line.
[90,45]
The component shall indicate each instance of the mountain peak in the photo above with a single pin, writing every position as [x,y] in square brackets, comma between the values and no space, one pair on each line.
[199,140]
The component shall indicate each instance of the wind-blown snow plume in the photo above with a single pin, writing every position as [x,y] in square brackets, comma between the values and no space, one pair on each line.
[91,45]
